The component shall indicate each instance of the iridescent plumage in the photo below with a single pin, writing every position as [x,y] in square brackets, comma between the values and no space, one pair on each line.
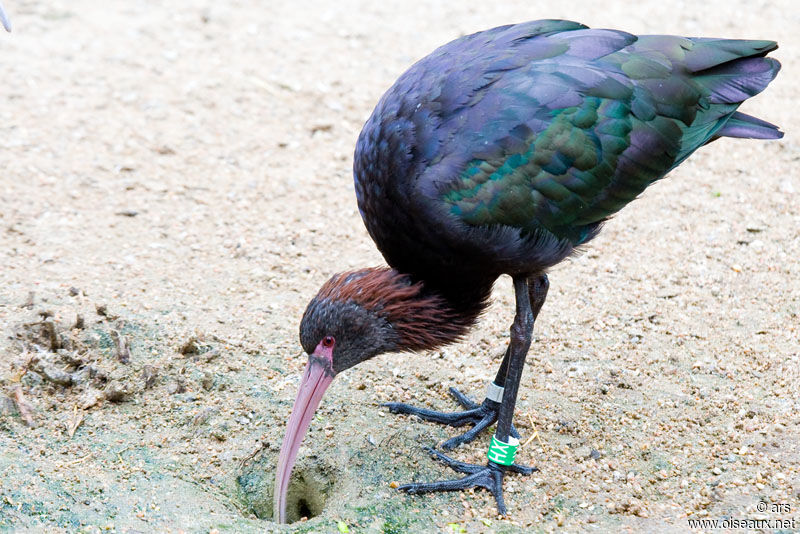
[503,150]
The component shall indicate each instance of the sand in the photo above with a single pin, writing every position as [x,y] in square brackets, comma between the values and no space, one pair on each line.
[177,184]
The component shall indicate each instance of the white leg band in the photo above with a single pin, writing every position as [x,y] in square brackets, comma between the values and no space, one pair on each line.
[494,392]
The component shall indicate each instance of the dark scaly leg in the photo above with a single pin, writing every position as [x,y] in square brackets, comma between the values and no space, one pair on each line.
[490,476]
[483,415]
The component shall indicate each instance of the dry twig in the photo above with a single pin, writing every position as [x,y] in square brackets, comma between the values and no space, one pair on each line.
[79,460]
[23,406]
[262,446]
[76,420]
[535,434]
[121,347]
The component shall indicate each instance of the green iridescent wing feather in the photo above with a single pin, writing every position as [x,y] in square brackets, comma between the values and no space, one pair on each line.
[566,141]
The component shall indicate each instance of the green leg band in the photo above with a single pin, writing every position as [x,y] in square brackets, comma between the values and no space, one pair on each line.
[503,453]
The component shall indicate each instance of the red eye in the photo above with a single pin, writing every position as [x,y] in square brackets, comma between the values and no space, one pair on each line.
[328,341]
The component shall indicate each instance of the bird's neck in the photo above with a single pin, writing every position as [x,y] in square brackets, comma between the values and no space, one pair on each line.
[437,314]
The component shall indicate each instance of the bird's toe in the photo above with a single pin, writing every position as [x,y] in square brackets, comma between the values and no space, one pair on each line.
[489,476]
[463,400]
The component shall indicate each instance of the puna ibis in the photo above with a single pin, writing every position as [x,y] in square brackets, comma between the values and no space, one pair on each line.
[503,152]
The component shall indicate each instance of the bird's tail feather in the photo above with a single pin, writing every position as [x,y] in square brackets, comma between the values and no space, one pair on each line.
[736,81]
[732,70]
[748,127]
[709,53]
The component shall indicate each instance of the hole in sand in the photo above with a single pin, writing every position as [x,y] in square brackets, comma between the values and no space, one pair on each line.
[303,510]
[309,489]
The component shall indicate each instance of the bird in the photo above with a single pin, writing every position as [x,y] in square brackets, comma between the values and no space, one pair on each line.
[504,152]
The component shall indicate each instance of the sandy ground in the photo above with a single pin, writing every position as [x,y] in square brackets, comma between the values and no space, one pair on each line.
[176,185]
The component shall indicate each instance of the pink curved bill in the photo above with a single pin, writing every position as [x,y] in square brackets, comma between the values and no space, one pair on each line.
[316,379]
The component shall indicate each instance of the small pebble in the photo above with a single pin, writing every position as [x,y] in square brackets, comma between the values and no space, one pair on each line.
[91,397]
[189,346]
[220,432]
[149,376]
[116,392]
[7,406]
[55,375]
[176,386]
[207,381]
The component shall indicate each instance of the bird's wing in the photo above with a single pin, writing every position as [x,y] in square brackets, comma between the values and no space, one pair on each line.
[550,125]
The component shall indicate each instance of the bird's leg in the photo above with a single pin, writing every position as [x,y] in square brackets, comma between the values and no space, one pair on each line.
[501,453]
[483,415]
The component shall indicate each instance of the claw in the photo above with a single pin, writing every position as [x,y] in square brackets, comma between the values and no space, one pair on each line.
[521,469]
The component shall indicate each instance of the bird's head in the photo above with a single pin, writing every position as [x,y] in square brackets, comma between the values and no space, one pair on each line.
[355,316]
[350,320]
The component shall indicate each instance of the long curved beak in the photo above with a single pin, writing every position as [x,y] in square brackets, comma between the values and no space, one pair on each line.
[4,19]
[316,379]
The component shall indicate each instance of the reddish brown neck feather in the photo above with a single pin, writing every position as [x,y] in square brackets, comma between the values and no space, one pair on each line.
[423,318]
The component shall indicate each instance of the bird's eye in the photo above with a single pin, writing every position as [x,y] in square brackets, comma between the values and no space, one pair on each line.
[327,341]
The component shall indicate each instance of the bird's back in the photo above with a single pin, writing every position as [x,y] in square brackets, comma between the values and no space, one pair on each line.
[503,150]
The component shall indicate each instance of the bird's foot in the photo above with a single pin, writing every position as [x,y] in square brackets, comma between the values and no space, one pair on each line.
[481,416]
[489,476]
